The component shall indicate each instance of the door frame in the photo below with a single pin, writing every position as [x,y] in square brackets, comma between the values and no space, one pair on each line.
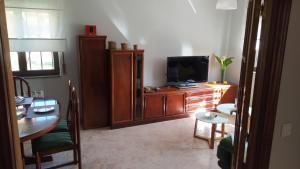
[266,91]
[10,142]
[275,15]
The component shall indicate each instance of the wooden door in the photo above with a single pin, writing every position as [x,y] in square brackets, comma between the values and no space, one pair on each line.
[10,150]
[175,104]
[122,86]
[154,106]
[94,88]
[246,76]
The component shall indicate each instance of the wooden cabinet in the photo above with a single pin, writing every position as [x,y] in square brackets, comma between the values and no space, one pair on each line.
[175,104]
[154,106]
[170,103]
[93,82]
[163,105]
[126,78]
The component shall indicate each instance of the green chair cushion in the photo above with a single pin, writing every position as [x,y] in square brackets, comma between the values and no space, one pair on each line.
[62,126]
[51,141]
[224,152]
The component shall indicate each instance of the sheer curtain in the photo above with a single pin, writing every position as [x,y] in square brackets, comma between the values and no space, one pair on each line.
[35,25]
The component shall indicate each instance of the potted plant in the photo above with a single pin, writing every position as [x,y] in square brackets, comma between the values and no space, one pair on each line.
[224,62]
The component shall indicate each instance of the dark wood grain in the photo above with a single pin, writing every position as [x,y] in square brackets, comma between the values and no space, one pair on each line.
[122,87]
[175,104]
[10,152]
[127,86]
[267,84]
[94,81]
[74,131]
[154,106]
[19,84]
[6,141]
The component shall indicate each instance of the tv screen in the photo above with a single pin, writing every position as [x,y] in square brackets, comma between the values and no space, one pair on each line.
[183,69]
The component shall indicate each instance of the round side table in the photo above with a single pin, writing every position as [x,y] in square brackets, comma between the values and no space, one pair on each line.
[214,119]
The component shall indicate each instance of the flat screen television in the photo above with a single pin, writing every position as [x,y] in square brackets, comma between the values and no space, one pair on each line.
[187,69]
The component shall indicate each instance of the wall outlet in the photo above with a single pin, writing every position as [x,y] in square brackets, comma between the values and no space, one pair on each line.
[286,130]
[38,93]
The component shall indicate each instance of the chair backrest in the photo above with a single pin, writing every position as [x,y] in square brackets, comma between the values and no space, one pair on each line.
[68,117]
[19,84]
[74,114]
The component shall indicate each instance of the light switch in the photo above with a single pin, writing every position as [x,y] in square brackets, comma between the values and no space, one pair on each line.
[286,130]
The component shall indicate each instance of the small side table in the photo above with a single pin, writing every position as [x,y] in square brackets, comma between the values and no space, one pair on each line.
[214,119]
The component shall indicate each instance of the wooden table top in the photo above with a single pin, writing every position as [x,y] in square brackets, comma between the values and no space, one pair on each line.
[40,124]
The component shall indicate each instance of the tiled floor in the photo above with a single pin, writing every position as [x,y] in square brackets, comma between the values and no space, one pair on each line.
[164,145]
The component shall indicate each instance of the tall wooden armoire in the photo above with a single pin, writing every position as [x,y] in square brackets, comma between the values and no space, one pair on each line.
[126,78]
[93,82]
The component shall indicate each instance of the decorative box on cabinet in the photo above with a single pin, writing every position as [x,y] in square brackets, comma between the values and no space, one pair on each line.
[127,90]
[93,82]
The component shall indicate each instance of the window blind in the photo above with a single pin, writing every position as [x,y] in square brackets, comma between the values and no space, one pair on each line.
[35,25]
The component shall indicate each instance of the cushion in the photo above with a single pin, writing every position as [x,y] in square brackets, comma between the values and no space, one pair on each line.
[62,126]
[224,152]
[50,141]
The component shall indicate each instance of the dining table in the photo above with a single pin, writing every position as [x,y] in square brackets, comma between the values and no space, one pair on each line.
[34,124]
[36,117]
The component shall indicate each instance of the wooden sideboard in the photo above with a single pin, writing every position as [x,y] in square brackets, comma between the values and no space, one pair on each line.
[170,102]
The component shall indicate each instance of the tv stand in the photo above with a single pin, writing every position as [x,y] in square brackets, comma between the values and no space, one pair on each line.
[167,103]
[171,102]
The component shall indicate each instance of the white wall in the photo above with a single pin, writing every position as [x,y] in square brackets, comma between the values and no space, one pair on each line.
[162,28]
[285,151]
[235,40]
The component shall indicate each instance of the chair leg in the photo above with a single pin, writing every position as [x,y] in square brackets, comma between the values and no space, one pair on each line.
[38,161]
[222,130]
[196,126]
[79,157]
[23,154]
[75,156]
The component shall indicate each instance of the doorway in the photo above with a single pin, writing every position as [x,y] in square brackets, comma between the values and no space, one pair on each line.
[266,73]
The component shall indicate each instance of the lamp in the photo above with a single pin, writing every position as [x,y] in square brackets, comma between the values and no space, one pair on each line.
[226,4]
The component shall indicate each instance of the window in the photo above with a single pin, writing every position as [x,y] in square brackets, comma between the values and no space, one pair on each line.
[35,63]
[36,33]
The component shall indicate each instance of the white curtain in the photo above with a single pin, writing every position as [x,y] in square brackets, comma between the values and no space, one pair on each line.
[31,21]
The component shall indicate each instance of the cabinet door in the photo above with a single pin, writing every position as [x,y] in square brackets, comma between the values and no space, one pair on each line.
[175,104]
[154,106]
[93,82]
[122,86]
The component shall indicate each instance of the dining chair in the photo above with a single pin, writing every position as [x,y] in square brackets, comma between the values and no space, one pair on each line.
[19,83]
[64,123]
[52,143]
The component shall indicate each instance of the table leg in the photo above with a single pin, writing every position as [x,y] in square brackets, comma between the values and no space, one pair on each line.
[196,126]
[222,130]
[212,137]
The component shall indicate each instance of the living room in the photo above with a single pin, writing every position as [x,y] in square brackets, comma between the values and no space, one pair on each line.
[120,124]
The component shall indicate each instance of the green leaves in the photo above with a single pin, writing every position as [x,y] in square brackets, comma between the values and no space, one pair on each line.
[224,61]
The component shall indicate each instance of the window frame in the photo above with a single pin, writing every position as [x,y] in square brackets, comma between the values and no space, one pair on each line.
[37,73]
